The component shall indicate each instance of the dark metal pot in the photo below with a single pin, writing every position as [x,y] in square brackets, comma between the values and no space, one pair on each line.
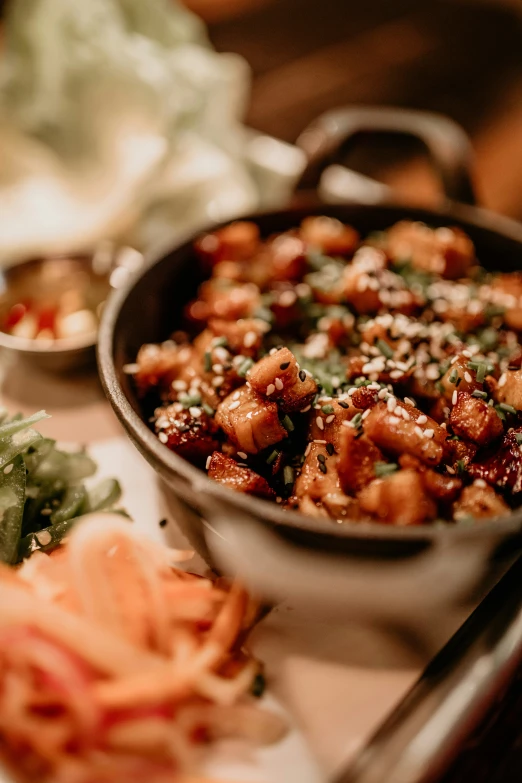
[366,571]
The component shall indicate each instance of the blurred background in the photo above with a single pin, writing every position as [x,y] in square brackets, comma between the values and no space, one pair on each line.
[459,57]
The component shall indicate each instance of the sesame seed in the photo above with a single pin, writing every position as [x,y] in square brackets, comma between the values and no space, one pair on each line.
[418,431]
[249,339]
[394,420]
[284,366]
[287,298]
[330,418]
[242,455]
[396,374]
[409,401]
[279,384]
[422,419]
[454,398]
[131,369]
[302,375]
[450,470]
[307,450]
[207,463]
[502,380]
[217,381]
[366,414]
[234,405]
[391,404]
[195,412]
[319,422]
[382,394]
[8,468]
[467,354]
[321,442]
[236,395]
[270,389]
[480,483]
[429,433]
[272,351]
[179,385]
[352,391]
[44,537]
[163,437]
[217,368]
[405,415]
[467,377]
[305,410]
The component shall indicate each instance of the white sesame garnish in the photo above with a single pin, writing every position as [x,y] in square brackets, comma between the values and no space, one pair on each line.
[480,483]
[163,437]
[422,419]
[287,298]
[429,433]
[217,381]
[8,469]
[454,397]
[320,442]
[352,391]
[131,369]
[396,374]
[218,368]
[330,418]
[467,354]
[305,410]
[195,412]
[319,422]
[394,420]
[405,415]
[207,463]
[365,414]
[221,353]
[249,414]
[467,377]
[382,394]
[236,395]
[409,401]
[502,380]
[272,351]
[346,423]
[249,339]
[242,455]
[279,384]
[418,431]
[450,470]
[179,385]
[308,449]
[336,381]
[234,405]
[391,404]
[270,389]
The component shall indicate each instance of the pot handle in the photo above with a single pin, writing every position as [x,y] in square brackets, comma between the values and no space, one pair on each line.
[326,140]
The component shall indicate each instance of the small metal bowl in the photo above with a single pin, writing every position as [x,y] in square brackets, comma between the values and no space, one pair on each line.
[99,272]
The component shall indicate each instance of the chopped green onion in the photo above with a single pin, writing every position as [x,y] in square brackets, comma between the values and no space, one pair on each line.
[480,394]
[219,342]
[327,408]
[288,474]
[453,376]
[244,367]
[273,456]
[461,467]
[288,424]
[208,409]
[384,348]
[357,420]
[508,408]
[481,373]
[207,361]
[440,387]
[385,468]
[188,400]
[500,412]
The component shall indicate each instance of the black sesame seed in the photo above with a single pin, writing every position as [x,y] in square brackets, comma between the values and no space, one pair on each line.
[163,522]
[302,375]
[343,404]
[330,449]
[284,366]
[321,458]
[322,467]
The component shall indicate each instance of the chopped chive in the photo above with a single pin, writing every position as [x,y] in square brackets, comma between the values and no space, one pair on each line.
[330,449]
[273,456]
[439,386]
[322,467]
[208,410]
[359,382]
[188,400]
[343,404]
[327,408]
[207,361]
[481,373]
[500,413]
[288,475]
[461,467]
[384,348]
[481,394]
[357,420]
[244,367]
[508,408]
[287,423]
[219,342]
[384,468]
[453,376]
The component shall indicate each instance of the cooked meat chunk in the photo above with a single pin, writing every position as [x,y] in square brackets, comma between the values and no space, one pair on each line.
[327,421]
[243,336]
[440,486]
[219,298]
[473,419]
[458,452]
[329,235]
[509,388]
[235,242]
[226,470]
[317,489]
[279,378]
[159,365]
[357,459]
[394,434]
[250,421]
[287,257]
[190,433]
[479,501]
[398,499]
[459,377]
[448,252]
[502,469]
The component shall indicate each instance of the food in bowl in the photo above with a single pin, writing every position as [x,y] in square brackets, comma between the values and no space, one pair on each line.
[356,379]
[118,665]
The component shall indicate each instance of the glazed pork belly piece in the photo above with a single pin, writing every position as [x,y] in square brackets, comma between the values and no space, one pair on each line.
[279,378]
[238,477]
[250,421]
